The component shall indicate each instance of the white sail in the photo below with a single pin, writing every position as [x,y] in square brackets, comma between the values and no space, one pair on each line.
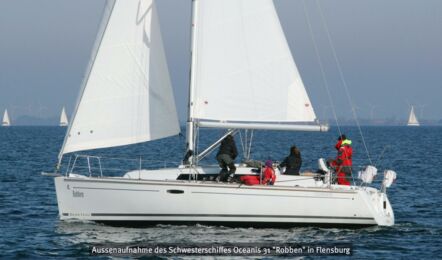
[127,97]
[63,118]
[6,121]
[412,119]
[244,70]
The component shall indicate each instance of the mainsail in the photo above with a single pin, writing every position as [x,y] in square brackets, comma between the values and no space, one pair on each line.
[6,121]
[243,69]
[127,96]
[63,118]
[412,119]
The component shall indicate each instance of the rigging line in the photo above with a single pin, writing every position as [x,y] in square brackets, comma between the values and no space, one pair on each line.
[247,144]
[108,9]
[379,160]
[321,66]
[344,82]
[196,141]
[246,135]
[250,145]
[241,142]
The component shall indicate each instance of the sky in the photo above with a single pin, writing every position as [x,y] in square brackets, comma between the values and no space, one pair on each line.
[389,52]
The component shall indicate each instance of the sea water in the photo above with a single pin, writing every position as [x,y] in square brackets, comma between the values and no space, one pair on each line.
[29,224]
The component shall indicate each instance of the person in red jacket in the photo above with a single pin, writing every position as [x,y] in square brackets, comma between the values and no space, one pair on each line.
[269,176]
[344,160]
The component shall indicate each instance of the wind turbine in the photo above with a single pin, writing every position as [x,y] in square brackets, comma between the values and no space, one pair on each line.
[41,109]
[324,112]
[355,109]
[421,107]
[372,108]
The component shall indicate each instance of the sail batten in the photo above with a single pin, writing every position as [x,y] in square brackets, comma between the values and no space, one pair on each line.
[244,68]
[127,97]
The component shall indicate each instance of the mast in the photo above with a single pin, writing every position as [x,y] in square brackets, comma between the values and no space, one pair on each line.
[190,138]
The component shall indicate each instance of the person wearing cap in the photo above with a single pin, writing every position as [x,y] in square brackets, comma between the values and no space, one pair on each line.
[293,162]
[268,174]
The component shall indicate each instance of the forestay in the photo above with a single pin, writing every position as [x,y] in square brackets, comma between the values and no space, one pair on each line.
[244,67]
[127,97]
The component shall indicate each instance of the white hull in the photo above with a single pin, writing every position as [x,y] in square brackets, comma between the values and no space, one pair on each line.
[137,201]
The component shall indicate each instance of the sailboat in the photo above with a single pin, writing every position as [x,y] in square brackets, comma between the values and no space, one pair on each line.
[6,121]
[412,119]
[63,118]
[243,77]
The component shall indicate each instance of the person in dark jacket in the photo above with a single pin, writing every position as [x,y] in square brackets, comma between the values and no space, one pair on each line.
[226,156]
[293,162]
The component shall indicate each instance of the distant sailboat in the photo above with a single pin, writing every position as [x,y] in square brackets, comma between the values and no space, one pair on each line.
[412,120]
[63,118]
[6,121]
